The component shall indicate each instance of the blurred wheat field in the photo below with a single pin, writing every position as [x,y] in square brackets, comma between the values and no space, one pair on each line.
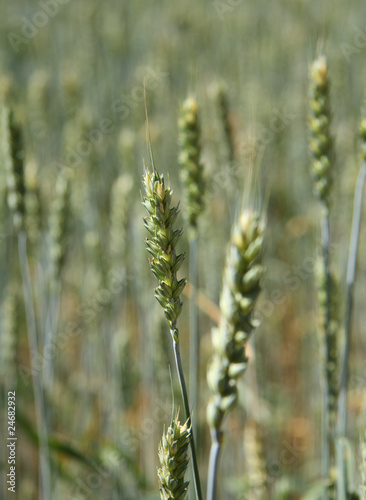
[96,385]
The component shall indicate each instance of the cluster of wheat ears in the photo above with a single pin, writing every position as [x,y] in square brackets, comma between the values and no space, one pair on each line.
[240,289]
[241,286]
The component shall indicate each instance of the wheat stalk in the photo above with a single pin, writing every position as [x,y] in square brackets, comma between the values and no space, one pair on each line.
[321,147]
[13,157]
[351,273]
[165,264]
[241,287]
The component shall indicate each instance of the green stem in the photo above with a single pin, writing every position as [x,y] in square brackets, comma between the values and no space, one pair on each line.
[193,332]
[216,437]
[45,472]
[351,272]
[53,311]
[183,389]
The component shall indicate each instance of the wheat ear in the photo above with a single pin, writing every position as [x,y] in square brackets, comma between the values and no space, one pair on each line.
[8,336]
[59,220]
[256,467]
[13,155]
[222,103]
[191,172]
[33,205]
[173,457]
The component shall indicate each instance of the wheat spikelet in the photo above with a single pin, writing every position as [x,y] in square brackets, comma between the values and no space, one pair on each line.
[173,457]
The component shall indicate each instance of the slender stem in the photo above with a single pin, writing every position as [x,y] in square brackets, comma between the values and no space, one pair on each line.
[351,272]
[183,389]
[45,472]
[328,433]
[193,332]
[49,336]
[216,437]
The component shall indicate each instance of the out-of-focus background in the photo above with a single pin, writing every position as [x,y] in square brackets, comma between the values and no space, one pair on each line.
[74,73]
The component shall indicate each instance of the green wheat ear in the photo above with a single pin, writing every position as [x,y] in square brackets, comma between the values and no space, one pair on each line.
[13,158]
[173,457]
[33,204]
[8,337]
[321,144]
[220,95]
[191,173]
[164,262]
[59,219]
[241,288]
[255,464]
